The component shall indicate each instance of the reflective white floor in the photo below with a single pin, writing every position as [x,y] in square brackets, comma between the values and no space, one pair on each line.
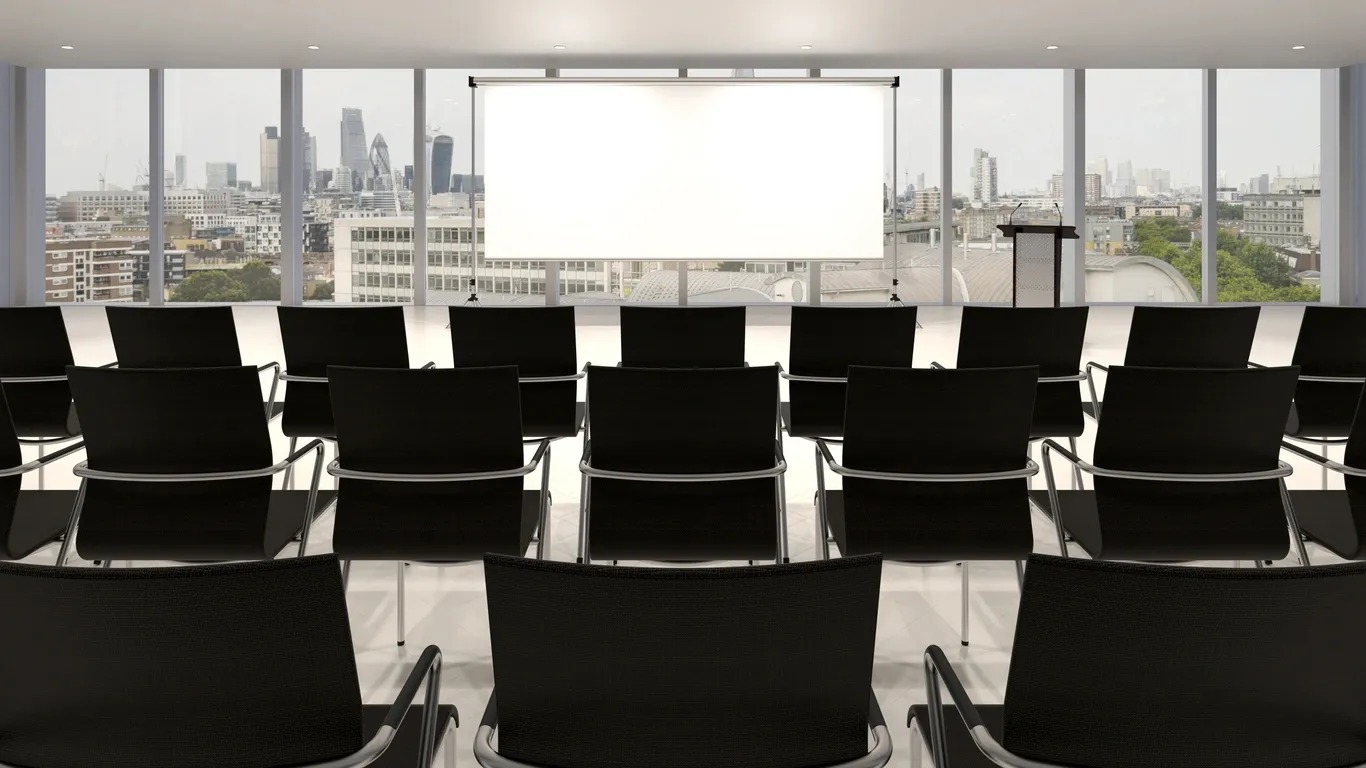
[920,606]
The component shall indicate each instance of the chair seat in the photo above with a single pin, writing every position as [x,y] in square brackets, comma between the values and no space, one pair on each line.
[406,749]
[556,429]
[1328,519]
[277,408]
[378,537]
[39,518]
[29,425]
[1297,425]
[809,429]
[1163,534]
[962,750]
[1089,409]
[938,535]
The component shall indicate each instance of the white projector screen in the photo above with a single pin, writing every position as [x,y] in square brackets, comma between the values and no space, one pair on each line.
[684,172]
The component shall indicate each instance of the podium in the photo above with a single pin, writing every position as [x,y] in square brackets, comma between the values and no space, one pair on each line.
[1037,263]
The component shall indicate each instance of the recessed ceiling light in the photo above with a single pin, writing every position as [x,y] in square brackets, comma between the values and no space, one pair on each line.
[1296,47]
[558,47]
[68,47]
[313,48]
[1051,47]
[806,47]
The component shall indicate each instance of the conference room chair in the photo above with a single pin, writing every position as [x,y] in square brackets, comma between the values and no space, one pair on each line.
[935,468]
[1120,665]
[1186,467]
[179,467]
[182,337]
[316,337]
[34,353]
[541,342]
[1048,337]
[682,337]
[1331,353]
[824,342]
[1182,337]
[1336,520]
[423,476]
[719,667]
[247,664]
[682,464]
[29,520]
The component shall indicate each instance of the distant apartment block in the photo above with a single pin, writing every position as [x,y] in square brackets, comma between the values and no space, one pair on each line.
[88,271]
[1284,220]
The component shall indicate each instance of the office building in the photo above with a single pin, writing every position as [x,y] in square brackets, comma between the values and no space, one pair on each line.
[984,189]
[270,160]
[221,175]
[310,162]
[464,183]
[1283,219]
[1091,184]
[380,166]
[180,170]
[443,148]
[104,205]
[353,146]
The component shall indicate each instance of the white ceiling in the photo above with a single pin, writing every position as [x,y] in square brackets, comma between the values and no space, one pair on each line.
[680,33]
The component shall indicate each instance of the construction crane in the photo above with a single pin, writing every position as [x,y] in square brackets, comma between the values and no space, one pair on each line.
[104,170]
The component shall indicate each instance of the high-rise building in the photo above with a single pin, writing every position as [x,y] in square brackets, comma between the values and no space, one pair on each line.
[179,170]
[270,160]
[343,179]
[322,180]
[1101,167]
[353,146]
[220,175]
[380,167]
[1259,185]
[443,149]
[408,177]
[463,182]
[310,162]
[1057,188]
[984,188]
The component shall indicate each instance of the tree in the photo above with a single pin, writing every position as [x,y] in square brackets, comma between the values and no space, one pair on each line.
[259,282]
[213,285]
[323,291]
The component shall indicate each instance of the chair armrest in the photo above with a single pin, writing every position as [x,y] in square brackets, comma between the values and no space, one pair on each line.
[337,470]
[114,364]
[1079,376]
[39,463]
[1323,462]
[1091,386]
[32,379]
[1251,364]
[1282,469]
[937,366]
[266,366]
[83,470]
[430,364]
[586,467]
[583,373]
[783,374]
[1030,469]
[287,377]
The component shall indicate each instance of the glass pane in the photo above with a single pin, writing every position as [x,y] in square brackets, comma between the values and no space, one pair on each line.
[97,139]
[1270,211]
[1143,185]
[1007,148]
[222,186]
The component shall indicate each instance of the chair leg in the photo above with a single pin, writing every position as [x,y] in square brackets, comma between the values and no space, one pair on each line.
[585,488]
[964,639]
[543,529]
[401,637]
[108,564]
[1323,470]
[448,745]
[780,502]
[1019,573]
[288,483]
[822,522]
[1076,471]
[42,468]
[915,744]
[346,574]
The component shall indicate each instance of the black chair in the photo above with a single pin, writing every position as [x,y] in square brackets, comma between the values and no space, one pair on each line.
[1336,520]
[1186,468]
[225,665]
[180,466]
[824,342]
[682,337]
[34,354]
[707,487]
[932,485]
[1118,665]
[29,520]
[182,337]
[1183,337]
[541,342]
[767,667]
[423,476]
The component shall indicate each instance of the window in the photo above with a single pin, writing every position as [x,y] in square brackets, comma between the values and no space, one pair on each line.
[97,140]
[360,125]
[1143,191]
[1270,213]
[1007,147]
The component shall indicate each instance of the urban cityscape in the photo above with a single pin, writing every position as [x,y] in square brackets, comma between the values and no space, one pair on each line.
[1140,232]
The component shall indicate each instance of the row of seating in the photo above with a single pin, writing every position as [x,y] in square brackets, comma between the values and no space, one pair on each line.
[1113,665]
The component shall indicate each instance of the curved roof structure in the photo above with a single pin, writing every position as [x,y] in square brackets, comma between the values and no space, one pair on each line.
[380,167]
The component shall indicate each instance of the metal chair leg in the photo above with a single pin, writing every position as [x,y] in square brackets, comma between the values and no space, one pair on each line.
[448,746]
[780,502]
[287,483]
[1019,573]
[108,564]
[585,488]
[1323,470]
[346,574]
[822,522]
[401,635]
[42,468]
[543,530]
[964,639]
[915,744]
[1076,471]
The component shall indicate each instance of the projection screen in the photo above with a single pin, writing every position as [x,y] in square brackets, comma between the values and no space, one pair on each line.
[686,171]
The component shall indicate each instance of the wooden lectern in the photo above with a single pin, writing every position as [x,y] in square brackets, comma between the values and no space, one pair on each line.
[1037,263]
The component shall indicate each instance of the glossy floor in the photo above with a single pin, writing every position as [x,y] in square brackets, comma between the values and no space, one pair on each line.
[445,606]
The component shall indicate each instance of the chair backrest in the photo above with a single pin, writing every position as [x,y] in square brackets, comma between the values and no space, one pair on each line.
[979,422]
[767,666]
[10,456]
[34,342]
[1049,337]
[171,667]
[173,337]
[1331,342]
[445,421]
[1191,337]
[540,341]
[317,337]
[825,341]
[173,421]
[1203,667]
[682,337]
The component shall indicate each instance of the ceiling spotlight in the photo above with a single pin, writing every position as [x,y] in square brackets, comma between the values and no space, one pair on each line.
[1296,47]
[1051,47]
[806,47]
[68,47]
[558,47]
[312,47]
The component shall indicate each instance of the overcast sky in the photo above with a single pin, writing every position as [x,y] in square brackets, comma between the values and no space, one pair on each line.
[1267,119]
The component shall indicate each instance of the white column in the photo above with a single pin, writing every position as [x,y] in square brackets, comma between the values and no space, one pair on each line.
[1353,258]
[552,266]
[28,196]
[946,182]
[813,268]
[1209,182]
[1336,175]
[156,187]
[291,175]
[421,174]
[7,222]
[1074,184]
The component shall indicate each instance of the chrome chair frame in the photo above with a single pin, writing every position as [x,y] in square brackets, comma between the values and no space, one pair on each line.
[1322,442]
[542,452]
[39,464]
[487,756]
[1282,471]
[43,442]
[825,457]
[83,471]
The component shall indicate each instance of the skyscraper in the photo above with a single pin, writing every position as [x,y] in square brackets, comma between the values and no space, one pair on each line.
[310,162]
[443,148]
[353,143]
[381,172]
[983,177]
[270,160]
[179,170]
[408,177]
[220,175]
